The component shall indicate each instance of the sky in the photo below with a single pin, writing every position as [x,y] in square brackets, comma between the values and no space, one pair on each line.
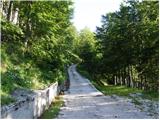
[87,13]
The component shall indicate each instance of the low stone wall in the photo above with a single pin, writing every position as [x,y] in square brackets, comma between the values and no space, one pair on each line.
[30,104]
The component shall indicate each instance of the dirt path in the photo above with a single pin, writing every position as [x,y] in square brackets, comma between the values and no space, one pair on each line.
[84,101]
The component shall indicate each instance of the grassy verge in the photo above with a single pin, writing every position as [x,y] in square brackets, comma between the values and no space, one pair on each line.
[53,110]
[118,90]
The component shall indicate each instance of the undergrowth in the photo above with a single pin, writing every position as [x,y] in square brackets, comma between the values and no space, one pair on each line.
[20,70]
[107,89]
[53,110]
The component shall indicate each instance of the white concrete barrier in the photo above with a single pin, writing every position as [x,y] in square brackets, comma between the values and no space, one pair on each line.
[30,105]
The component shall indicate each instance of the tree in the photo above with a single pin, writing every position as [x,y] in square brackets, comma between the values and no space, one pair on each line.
[41,39]
[86,49]
[126,42]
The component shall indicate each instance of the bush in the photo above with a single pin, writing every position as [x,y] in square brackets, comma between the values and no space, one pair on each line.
[10,32]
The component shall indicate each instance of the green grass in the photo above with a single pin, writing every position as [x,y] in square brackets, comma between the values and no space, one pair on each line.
[118,90]
[6,99]
[53,110]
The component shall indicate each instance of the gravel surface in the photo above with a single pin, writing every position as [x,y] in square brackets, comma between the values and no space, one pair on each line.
[84,101]
[150,106]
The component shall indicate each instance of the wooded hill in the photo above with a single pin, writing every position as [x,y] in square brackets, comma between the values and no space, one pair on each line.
[39,41]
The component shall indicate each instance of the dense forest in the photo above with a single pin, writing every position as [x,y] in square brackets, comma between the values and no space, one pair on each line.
[126,50]
[36,44]
[39,42]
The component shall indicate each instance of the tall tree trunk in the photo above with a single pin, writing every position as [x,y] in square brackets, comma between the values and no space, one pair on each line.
[118,80]
[124,71]
[121,77]
[15,16]
[9,10]
[126,77]
[145,83]
[115,80]
[28,25]
[129,79]
[1,6]
[28,33]
[141,82]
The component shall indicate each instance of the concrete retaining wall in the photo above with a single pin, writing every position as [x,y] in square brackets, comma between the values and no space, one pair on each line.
[30,104]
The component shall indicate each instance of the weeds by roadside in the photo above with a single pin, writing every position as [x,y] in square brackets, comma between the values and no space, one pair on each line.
[54,109]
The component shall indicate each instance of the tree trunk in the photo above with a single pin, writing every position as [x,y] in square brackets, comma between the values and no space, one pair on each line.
[121,77]
[28,33]
[124,75]
[115,80]
[28,25]
[9,11]
[15,16]
[131,76]
[141,83]
[1,6]
[118,80]
[129,79]
[145,83]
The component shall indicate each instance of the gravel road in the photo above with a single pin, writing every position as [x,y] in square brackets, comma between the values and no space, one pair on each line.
[84,101]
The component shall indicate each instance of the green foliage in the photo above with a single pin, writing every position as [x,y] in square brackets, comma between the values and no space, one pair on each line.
[6,99]
[26,73]
[10,32]
[37,49]
[34,50]
[108,89]
[86,49]
[129,40]
[81,70]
